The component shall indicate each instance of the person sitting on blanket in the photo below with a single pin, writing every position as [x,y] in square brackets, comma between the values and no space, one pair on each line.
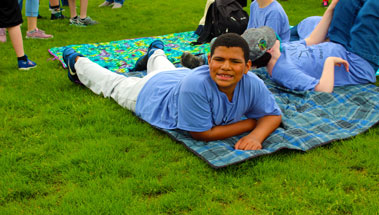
[270,13]
[208,101]
[262,13]
[313,64]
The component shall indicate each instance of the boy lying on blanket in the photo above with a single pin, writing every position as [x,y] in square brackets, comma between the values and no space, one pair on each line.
[310,64]
[208,101]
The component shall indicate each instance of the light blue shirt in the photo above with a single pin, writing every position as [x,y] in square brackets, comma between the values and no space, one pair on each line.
[300,66]
[190,100]
[272,16]
[307,25]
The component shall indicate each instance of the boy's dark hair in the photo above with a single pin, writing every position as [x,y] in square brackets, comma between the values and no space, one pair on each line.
[231,40]
[261,61]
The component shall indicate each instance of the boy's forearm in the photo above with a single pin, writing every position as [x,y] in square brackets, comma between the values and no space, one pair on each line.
[326,83]
[318,35]
[225,131]
[265,126]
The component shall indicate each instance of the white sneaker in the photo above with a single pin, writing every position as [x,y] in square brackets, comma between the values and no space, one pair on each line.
[117,5]
[105,4]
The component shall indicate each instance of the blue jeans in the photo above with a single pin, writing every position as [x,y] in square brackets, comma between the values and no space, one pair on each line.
[355,25]
[117,1]
[64,2]
[31,8]
[20,2]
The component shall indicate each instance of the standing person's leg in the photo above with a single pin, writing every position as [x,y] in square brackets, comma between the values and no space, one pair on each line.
[55,8]
[83,9]
[72,6]
[31,12]
[364,34]
[16,38]
[64,2]
[343,20]
[83,20]
[12,19]
[20,3]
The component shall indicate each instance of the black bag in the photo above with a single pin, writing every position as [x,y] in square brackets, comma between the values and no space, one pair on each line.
[223,16]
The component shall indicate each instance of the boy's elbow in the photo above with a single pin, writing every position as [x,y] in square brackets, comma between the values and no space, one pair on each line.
[325,89]
[278,120]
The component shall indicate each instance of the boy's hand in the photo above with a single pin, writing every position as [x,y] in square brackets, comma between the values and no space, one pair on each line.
[339,61]
[248,142]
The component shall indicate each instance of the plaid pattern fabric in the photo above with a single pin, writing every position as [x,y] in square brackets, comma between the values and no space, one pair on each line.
[310,119]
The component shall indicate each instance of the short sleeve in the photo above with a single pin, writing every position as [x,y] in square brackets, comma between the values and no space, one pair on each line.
[194,111]
[263,102]
[286,74]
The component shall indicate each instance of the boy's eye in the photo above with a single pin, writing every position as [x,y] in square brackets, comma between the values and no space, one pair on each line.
[236,61]
[218,59]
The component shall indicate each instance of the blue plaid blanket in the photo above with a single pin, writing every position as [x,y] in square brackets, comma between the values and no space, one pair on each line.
[310,119]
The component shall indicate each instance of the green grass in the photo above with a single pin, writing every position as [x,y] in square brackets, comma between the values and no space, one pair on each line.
[65,150]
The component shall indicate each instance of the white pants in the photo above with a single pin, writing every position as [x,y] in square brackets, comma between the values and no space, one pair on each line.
[124,90]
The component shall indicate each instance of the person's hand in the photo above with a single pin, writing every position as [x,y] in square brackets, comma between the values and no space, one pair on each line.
[248,143]
[339,62]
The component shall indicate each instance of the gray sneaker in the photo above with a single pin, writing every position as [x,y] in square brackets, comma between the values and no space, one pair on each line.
[105,4]
[74,21]
[82,22]
[87,21]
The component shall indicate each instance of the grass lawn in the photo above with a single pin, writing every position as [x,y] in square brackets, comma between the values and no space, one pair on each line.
[65,150]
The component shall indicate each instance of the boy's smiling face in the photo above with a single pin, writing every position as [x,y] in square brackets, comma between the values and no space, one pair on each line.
[227,66]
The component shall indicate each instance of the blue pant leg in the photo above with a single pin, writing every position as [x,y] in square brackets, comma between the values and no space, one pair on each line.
[343,20]
[20,2]
[120,1]
[31,8]
[64,2]
[365,33]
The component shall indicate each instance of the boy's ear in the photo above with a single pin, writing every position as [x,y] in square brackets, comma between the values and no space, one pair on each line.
[248,66]
[209,58]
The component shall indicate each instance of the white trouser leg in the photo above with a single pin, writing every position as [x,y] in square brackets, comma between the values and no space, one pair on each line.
[158,62]
[124,90]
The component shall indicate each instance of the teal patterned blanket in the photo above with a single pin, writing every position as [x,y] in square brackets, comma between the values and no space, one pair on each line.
[120,56]
[310,119]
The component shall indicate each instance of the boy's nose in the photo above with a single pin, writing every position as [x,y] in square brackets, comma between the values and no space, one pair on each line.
[225,65]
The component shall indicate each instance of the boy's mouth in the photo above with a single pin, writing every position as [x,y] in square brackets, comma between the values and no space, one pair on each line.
[224,76]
